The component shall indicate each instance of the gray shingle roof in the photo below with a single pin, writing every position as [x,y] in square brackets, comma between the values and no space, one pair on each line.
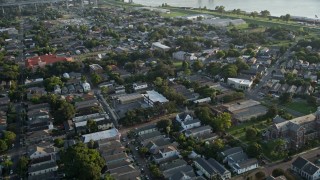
[205,165]
[219,168]
[310,169]
[299,162]
[232,151]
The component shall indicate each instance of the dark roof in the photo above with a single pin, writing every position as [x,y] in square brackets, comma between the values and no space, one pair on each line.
[231,151]
[40,160]
[42,167]
[151,126]
[185,169]
[299,162]
[149,135]
[310,168]
[205,165]
[191,121]
[220,168]
[173,165]
[47,176]
[248,162]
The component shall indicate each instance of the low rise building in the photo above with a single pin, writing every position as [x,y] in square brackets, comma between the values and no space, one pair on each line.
[241,84]
[305,169]
[212,169]
[198,132]
[111,134]
[139,86]
[153,97]
[159,46]
[96,68]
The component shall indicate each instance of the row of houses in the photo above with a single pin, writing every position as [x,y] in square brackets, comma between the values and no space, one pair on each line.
[278,88]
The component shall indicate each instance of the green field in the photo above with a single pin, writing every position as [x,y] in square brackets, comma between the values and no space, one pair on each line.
[177,64]
[302,107]
[239,131]
[173,14]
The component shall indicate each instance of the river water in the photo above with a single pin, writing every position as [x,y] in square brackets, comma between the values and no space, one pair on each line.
[305,8]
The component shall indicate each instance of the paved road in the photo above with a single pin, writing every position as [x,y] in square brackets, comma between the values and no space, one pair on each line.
[107,108]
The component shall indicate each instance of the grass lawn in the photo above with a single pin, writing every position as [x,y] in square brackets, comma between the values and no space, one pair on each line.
[239,132]
[302,107]
[177,64]
[174,14]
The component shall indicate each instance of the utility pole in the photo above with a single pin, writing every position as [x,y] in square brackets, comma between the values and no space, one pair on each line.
[35,5]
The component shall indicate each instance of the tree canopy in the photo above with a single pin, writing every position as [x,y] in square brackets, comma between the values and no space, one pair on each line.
[82,163]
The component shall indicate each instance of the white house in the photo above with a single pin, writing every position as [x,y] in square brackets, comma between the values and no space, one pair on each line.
[153,97]
[211,168]
[42,169]
[111,134]
[159,46]
[306,169]
[198,131]
[146,129]
[165,153]
[187,122]
[240,163]
[86,86]
[139,86]
[38,152]
[242,84]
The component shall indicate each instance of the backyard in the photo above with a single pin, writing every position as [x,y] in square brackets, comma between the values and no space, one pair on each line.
[301,106]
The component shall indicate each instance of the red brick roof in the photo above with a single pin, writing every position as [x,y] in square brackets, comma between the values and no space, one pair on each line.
[45,59]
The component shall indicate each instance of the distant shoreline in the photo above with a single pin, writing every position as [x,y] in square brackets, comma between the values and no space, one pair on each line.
[230,9]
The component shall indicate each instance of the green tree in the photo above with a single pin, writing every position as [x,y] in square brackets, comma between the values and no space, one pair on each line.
[96,78]
[241,65]
[218,144]
[265,13]
[251,133]
[277,172]
[287,17]
[51,82]
[163,124]
[22,167]
[92,126]
[222,122]
[143,150]
[108,177]
[254,150]
[78,159]
[220,54]
[59,142]
[260,175]
[65,112]
[254,14]
[272,111]
[3,145]
[230,70]
[285,98]
[155,171]
[9,137]
[158,82]
[220,9]
[7,163]
[197,65]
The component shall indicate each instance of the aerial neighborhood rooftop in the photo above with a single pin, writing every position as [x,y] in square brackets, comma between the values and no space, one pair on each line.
[116,90]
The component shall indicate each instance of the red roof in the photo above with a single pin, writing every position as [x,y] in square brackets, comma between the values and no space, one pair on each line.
[45,60]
